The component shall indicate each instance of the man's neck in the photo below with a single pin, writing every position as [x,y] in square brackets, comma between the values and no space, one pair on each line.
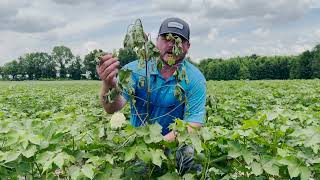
[168,70]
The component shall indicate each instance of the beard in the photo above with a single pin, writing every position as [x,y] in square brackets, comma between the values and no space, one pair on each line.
[166,54]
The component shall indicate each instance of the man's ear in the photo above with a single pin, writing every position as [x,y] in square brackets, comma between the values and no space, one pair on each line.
[189,44]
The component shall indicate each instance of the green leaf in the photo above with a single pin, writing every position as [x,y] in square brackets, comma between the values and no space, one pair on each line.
[141,82]
[293,171]
[109,158]
[282,152]
[235,150]
[206,134]
[59,160]
[144,155]
[155,135]
[247,156]
[45,159]
[24,143]
[305,173]
[169,176]
[47,165]
[171,61]
[30,151]
[35,139]
[157,156]
[124,76]
[116,173]
[271,168]
[130,154]
[256,168]
[13,138]
[188,177]
[248,124]
[74,172]
[87,170]
[196,142]
[11,156]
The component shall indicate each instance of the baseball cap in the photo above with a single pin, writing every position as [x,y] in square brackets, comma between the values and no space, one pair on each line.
[176,26]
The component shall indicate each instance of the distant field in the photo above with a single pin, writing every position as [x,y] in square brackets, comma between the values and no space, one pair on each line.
[265,129]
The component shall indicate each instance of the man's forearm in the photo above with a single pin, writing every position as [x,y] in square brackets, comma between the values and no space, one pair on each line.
[116,105]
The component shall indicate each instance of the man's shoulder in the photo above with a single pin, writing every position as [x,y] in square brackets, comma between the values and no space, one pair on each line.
[132,65]
[193,72]
[135,68]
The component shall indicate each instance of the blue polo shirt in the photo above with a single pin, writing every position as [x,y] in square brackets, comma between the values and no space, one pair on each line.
[164,107]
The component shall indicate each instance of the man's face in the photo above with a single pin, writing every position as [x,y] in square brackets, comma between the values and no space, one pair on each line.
[165,47]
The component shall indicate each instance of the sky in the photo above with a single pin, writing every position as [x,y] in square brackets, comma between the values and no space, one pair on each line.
[219,28]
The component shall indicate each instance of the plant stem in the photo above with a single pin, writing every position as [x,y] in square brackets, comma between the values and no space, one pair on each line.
[73,145]
[147,84]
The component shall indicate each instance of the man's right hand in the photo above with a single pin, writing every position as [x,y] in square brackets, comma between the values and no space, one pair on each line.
[108,70]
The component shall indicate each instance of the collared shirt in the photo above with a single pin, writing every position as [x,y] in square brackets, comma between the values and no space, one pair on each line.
[164,107]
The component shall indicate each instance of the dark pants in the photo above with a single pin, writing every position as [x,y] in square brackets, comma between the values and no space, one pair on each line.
[184,162]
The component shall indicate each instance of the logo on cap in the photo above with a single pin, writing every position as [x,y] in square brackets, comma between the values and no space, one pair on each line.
[175,25]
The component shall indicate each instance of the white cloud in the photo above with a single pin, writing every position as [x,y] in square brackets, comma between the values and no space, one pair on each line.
[218,27]
[91,45]
[260,32]
[213,33]
[315,3]
[233,40]
[177,5]
[317,33]
[297,49]
[274,11]
[225,53]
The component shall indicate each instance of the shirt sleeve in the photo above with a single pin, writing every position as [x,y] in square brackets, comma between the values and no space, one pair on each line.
[196,102]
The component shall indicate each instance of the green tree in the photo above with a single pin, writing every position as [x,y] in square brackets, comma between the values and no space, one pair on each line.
[244,72]
[315,63]
[62,55]
[295,68]
[90,64]
[38,65]
[2,75]
[76,69]
[126,55]
[12,69]
[48,66]
[305,63]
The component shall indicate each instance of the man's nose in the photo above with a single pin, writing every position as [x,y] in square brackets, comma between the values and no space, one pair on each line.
[170,43]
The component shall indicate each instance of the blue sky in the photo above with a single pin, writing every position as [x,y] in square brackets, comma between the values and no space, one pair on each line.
[219,28]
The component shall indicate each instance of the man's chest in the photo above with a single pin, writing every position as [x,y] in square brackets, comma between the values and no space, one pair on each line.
[162,93]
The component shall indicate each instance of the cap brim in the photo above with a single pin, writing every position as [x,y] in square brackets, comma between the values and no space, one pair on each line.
[174,32]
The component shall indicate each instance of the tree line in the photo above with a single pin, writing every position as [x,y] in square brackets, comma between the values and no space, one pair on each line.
[61,63]
[303,66]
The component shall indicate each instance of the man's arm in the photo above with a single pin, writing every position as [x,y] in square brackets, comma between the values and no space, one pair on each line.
[171,135]
[116,105]
[196,106]
[107,71]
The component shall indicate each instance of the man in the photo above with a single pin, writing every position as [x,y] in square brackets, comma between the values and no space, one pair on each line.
[164,106]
